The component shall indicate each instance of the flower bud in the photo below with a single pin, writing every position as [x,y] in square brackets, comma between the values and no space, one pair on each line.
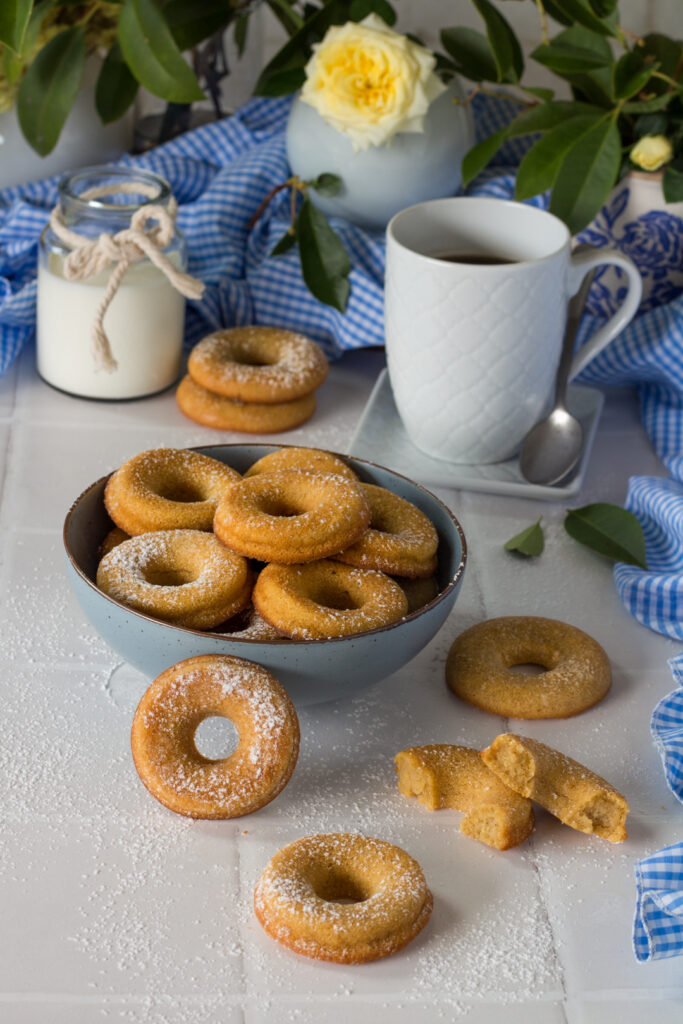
[652,152]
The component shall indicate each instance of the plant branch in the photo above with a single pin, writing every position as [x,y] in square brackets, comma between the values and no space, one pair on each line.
[544,22]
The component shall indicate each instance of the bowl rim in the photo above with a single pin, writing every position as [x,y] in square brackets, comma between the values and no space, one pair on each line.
[285,641]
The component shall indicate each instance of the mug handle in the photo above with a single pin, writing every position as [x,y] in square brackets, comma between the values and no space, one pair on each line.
[584,260]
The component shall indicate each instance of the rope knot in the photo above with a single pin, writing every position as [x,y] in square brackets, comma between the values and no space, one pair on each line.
[89,256]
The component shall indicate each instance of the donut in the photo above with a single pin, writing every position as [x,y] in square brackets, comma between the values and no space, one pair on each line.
[569,790]
[165,723]
[312,459]
[185,577]
[420,590]
[401,540]
[166,489]
[478,668]
[442,775]
[342,897]
[221,413]
[248,625]
[258,364]
[291,516]
[326,598]
[112,540]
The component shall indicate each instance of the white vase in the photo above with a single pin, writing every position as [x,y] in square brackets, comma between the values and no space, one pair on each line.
[637,221]
[84,139]
[379,181]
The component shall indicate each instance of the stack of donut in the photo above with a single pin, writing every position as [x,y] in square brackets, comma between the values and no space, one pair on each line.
[297,548]
[256,380]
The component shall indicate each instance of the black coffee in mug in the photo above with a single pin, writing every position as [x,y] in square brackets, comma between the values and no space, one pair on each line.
[481,259]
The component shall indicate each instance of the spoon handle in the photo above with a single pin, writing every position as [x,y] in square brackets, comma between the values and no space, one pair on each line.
[575,310]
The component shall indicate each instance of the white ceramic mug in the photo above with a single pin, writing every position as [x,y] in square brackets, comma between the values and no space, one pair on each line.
[473,349]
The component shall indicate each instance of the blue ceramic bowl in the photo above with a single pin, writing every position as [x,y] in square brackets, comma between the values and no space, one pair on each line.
[312,670]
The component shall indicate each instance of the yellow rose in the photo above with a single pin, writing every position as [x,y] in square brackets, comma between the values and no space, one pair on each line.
[370,82]
[652,152]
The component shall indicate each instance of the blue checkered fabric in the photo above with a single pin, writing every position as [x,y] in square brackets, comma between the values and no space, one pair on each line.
[658,925]
[666,727]
[221,172]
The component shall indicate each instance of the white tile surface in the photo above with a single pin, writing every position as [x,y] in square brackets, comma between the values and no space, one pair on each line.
[114,909]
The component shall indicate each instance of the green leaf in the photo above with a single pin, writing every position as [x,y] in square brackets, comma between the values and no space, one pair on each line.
[540,165]
[603,8]
[672,182]
[586,175]
[240,33]
[14,16]
[116,88]
[507,52]
[529,542]
[191,23]
[659,102]
[612,531]
[325,263]
[554,9]
[327,184]
[287,242]
[49,88]
[581,13]
[283,83]
[631,74]
[546,116]
[361,8]
[650,124]
[471,52]
[667,52]
[567,60]
[543,94]
[152,54]
[480,155]
[296,51]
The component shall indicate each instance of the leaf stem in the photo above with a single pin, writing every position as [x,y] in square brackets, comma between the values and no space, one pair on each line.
[264,202]
[289,13]
[544,22]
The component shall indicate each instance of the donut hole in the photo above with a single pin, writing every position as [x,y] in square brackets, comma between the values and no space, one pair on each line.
[216,738]
[168,576]
[528,668]
[339,886]
[329,595]
[252,359]
[183,491]
[279,506]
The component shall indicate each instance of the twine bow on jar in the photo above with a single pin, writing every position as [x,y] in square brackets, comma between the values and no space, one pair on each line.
[89,256]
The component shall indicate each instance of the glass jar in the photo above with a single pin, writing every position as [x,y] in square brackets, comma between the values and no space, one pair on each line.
[145,320]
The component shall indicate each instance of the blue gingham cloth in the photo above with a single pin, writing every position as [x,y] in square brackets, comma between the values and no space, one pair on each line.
[658,924]
[666,727]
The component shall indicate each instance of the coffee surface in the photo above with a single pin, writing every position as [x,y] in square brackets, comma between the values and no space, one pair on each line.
[477,258]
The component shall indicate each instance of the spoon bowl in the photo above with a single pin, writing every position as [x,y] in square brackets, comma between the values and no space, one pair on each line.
[552,448]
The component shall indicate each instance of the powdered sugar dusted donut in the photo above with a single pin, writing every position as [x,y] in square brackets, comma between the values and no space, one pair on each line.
[164,751]
[291,516]
[315,460]
[386,899]
[185,577]
[167,489]
[258,364]
[480,660]
[401,539]
[326,598]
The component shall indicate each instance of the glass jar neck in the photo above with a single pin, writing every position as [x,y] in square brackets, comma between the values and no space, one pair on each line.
[104,198]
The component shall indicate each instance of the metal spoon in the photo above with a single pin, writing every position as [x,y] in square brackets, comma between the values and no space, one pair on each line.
[552,447]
